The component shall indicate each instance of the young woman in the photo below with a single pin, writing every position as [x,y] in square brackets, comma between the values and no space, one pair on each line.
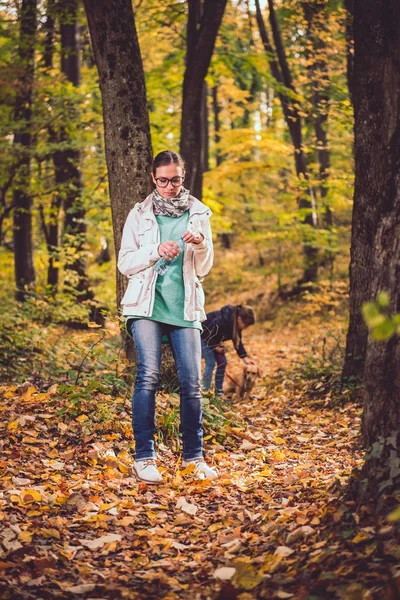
[171,304]
[225,324]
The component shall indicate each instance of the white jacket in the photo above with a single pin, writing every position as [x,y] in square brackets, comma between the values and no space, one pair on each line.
[139,252]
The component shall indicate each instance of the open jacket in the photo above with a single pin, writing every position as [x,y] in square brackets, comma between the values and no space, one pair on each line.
[219,326]
[139,252]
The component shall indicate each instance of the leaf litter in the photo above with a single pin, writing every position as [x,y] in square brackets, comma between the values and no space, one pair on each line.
[75,523]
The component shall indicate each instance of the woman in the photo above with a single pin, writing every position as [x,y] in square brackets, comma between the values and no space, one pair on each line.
[171,304]
[225,324]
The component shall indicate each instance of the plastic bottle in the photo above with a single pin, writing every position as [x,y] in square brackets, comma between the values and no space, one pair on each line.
[161,266]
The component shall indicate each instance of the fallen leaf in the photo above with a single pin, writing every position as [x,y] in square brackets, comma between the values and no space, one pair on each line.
[283,551]
[101,541]
[224,573]
[190,509]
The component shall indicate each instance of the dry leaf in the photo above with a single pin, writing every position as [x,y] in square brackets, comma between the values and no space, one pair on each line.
[190,509]
[224,573]
[101,541]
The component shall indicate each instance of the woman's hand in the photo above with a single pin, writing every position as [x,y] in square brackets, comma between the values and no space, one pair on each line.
[193,238]
[248,361]
[168,250]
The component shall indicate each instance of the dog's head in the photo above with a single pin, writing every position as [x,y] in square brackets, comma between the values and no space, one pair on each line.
[251,372]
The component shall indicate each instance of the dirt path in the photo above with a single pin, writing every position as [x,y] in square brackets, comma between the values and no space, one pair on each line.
[75,524]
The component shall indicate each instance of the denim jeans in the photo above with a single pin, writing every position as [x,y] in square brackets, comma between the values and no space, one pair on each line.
[211,358]
[186,349]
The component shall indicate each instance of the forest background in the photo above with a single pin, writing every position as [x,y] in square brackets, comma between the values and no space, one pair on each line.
[273,143]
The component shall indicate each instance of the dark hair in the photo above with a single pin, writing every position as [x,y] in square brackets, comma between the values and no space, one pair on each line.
[247,314]
[167,157]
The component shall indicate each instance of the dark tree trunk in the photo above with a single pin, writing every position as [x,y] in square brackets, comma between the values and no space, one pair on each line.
[375,249]
[126,122]
[22,221]
[51,229]
[315,14]
[281,73]
[202,32]
[216,109]
[68,171]
[376,239]
[49,29]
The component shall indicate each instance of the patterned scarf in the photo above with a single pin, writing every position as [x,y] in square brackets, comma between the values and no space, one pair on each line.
[171,207]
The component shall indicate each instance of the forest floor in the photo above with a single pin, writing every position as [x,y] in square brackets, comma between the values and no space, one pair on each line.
[279,523]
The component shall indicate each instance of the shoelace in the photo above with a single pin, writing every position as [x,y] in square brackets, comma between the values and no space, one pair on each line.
[148,462]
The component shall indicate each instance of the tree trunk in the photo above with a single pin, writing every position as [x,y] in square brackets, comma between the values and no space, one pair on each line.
[205,142]
[315,14]
[126,122]
[216,109]
[68,161]
[51,229]
[282,75]
[22,220]
[375,252]
[349,45]
[201,36]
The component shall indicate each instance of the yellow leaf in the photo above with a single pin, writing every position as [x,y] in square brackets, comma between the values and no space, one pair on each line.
[82,418]
[246,576]
[28,496]
[25,536]
[215,527]
[266,472]
[360,537]
[394,515]
[189,469]
[13,426]
[123,468]
[93,325]
[50,533]
[31,390]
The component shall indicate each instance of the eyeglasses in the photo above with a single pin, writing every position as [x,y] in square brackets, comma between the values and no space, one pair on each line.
[163,182]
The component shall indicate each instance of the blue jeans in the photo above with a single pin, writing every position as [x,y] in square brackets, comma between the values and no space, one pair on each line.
[186,349]
[211,358]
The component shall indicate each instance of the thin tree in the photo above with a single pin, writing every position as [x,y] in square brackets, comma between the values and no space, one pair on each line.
[281,72]
[22,200]
[316,16]
[51,229]
[126,121]
[68,159]
[204,19]
[375,244]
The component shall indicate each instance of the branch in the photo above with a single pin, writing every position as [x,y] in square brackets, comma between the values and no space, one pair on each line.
[287,77]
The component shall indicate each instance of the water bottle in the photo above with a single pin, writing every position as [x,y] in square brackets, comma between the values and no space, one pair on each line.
[161,266]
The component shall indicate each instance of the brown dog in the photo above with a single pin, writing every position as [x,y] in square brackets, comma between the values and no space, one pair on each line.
[241,384]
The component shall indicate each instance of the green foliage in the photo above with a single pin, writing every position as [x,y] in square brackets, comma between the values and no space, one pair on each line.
[22,346]
[377,315]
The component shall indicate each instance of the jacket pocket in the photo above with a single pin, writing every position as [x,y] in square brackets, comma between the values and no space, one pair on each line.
[133,291]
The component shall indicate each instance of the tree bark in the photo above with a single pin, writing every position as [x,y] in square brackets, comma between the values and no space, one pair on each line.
[315,14]
[201,35]
[22,216]
[126,121]
[375,251]
[216,109]
[52,228]
[375,73]
[281,73]
[349,45]
[68,161]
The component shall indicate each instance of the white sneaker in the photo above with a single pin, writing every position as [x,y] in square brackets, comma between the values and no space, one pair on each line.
[201,469]
[146,470]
